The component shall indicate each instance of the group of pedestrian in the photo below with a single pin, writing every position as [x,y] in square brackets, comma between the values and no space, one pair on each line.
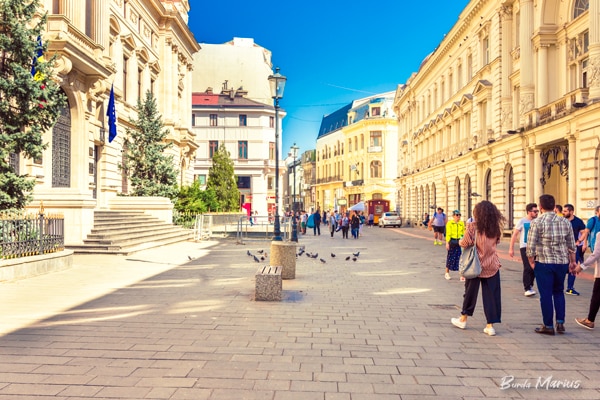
[552,246]
[346,222]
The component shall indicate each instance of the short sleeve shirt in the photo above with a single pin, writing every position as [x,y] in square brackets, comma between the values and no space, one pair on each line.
[438,219]
[523,226]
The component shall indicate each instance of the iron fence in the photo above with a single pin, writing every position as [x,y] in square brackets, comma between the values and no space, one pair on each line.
[23,235]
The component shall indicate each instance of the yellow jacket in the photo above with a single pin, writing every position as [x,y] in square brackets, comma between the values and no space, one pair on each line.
[455,230]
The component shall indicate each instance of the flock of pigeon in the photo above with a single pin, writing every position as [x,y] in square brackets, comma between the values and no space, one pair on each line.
[263,255]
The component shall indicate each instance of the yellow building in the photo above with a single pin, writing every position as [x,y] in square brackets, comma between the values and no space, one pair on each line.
[356,154]
[505,109]
[137,45]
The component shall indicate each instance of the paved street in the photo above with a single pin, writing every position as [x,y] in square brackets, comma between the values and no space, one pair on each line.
[180,322]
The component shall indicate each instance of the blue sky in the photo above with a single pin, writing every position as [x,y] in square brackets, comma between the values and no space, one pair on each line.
[331,51]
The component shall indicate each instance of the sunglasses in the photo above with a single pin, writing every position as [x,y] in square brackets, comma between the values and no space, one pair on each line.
[457,215]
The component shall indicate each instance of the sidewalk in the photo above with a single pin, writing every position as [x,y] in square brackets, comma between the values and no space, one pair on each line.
[159,325]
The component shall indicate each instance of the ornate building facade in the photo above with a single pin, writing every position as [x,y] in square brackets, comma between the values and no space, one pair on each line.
[135,45]
[356,154]
[505,109]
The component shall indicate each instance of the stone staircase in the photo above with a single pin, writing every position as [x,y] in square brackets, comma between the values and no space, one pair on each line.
[126,232]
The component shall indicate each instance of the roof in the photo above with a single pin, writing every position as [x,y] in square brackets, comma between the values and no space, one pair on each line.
[334,121]
[224,100]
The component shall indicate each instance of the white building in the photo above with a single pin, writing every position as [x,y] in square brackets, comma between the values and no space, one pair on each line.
[239,116]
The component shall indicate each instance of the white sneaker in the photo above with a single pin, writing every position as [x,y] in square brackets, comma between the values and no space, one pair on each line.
[529,292]
[458,323]
[447,276]
[490,331]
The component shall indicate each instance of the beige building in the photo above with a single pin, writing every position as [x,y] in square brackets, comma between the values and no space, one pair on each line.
[137,45]
[356,154]
[505,109]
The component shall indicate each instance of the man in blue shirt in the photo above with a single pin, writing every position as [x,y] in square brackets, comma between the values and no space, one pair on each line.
[578,227]
[591,229]
[439,221]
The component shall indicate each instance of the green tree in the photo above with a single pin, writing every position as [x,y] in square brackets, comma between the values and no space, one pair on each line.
[150,170]
[30,101]
[192,199]
[222,180]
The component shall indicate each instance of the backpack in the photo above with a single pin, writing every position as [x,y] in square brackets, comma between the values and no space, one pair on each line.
[310,223]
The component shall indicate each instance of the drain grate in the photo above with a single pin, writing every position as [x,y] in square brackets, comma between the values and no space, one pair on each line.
[444,306]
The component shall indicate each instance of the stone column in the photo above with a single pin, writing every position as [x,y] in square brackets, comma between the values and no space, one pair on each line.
[101,31]
[283,254]
[527,100]
[506,69]
[542,83]
[594,67]
[572,173]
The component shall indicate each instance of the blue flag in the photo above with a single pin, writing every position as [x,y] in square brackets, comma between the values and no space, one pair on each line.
[38,57]
[111,112]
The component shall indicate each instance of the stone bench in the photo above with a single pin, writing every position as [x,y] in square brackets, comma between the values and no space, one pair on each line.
[268,284]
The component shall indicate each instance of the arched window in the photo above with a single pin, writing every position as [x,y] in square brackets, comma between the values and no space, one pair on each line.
[375,169]
[61,149]
[488,185]
[580,7]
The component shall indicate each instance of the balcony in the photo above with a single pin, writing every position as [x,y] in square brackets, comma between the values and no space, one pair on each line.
[557,109]
[374,149]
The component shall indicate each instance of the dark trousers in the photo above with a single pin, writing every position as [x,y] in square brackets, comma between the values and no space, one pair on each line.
[317,228]
[345,230]
[490,295]
[595,302]
[571,277]
[550,280]
[528,273]
[332,229]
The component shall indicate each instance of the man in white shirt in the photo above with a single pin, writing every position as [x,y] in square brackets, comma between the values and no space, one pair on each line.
[520,232]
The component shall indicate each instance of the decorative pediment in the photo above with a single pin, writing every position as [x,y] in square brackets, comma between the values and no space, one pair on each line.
[482,86]
[466,99]
[128,41]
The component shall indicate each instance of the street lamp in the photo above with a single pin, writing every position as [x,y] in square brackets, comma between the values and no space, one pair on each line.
[277,83]
[294,149]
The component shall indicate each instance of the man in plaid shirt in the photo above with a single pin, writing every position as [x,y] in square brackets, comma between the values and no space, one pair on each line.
[551,253]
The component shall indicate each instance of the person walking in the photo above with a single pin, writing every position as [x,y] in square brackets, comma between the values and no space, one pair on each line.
[588,322]
[578,227]
[591,231]
[332,223]
[439,221]
[455,230]
[485,232]
[345,226]
[317,223]
[371,220]
[551,253]
[355,224]
[520,233]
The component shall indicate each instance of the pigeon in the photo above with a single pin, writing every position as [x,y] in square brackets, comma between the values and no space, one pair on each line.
[260,251]
[301,251]
[332,255]
[256,259]
[248,252]
[315,255]
[323,261]
[353,258]
[308,255]
[190,258]
[347,258]
[356,254]
[262,258]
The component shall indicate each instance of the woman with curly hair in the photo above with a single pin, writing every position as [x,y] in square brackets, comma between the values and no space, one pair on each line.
[486,232]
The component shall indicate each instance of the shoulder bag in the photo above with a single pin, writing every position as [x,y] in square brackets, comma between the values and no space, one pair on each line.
[469,265]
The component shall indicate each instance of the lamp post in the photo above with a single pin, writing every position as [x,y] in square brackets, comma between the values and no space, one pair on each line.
[277,83]
[294,149]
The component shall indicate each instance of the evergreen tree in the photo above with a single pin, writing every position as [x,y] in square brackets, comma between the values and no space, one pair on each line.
[222,180]
[30,101]
[150,170]
[192,199]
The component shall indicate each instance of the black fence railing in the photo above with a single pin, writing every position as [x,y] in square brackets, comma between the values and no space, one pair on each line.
[23,235]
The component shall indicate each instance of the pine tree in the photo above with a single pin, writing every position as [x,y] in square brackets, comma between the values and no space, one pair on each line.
[150,170]
[30,101]
[222,180]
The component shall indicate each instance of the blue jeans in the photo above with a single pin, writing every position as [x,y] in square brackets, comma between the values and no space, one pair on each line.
[550,279]
[578,259]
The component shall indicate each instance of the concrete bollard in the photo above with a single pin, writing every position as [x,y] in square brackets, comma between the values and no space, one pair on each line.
[284,254]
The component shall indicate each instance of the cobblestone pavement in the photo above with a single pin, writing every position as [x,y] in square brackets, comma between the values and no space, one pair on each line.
[180,322]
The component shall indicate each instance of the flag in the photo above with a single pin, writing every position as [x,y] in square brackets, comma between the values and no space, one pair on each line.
[38,57]
[111,112]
